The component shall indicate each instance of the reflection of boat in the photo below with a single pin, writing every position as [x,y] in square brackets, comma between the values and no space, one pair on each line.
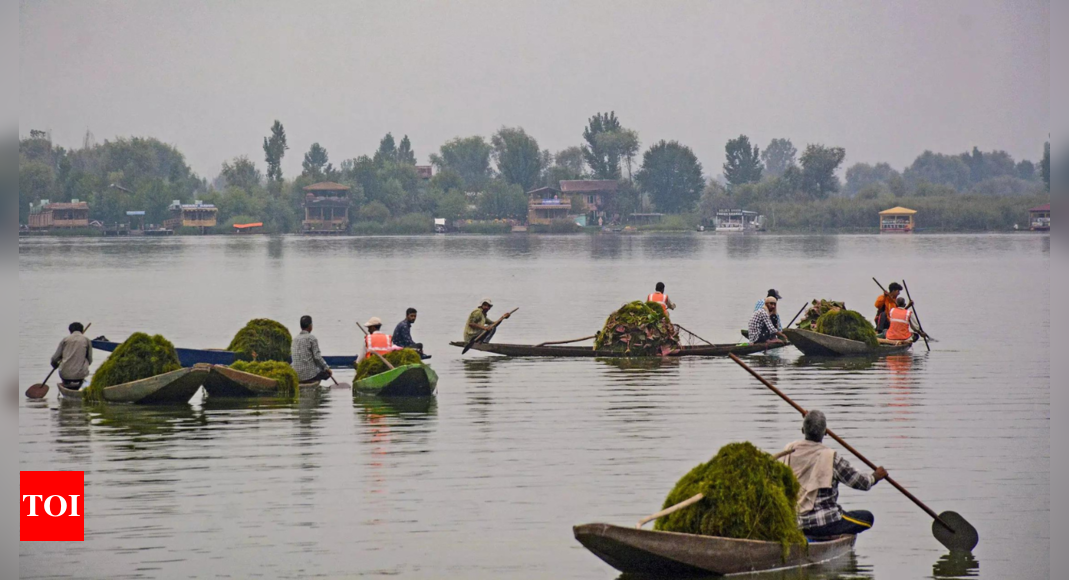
[396,406]
[224,381]
[589,352]
[191,356]
[417,380]
[173,387]
[637,551]
[816,344]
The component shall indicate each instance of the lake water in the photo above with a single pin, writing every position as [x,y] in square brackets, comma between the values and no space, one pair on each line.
[487,480]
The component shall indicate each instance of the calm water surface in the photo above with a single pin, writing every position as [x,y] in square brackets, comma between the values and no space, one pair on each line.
[487,480]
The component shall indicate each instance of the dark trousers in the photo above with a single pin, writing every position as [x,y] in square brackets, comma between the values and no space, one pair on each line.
[322,376]
[486,337]
[75,385]
[853,522]
[883,322]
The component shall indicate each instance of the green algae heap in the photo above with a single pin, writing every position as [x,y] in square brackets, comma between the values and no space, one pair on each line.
[279,371]
[262,340]
[816,310]
[140,357]
[847,324]
[371,366]
[639,329]
[748,495]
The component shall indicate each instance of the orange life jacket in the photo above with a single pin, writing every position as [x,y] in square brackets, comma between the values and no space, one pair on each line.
[899,329]
[659,298]
[378,342]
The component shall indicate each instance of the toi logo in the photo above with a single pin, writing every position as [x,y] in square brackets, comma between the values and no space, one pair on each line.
[51,506]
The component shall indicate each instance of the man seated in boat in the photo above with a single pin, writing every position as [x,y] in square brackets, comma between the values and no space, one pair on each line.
[661,298]
[884,304]
[901,327]
[376,341]
[73,357]
[762,329]
[820,470]
[307,360]
[478,323]
[402,334]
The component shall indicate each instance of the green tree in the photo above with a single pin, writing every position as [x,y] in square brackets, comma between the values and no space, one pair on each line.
[861,175]
[778,156]
[469,158]
[1026,170]
[317,163]
[502,201]
[452,205]
[37,181]
[274,150]
[241,172]
[387,150]
[518,158]
[447,180]
[672,176]
[939,169]
[375,211]
[405,153]
[622,144]
[819,164]
[743,163]
[1044,165]
[568,164]
[601,156]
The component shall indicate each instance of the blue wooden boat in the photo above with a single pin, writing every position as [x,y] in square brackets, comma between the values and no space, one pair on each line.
[191,356]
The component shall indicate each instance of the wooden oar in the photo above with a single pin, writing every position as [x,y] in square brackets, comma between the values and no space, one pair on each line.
[382,358]
[949,528]
[919,325]
[690,501]
[922,333]
[479,336]
[39,390]
[568,341]
[789,324]
[680,326]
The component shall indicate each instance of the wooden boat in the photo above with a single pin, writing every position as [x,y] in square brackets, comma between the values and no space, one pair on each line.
[173,387]
[190,356]
[589,352]
[417,380]
[646,552]
[816,344]
[223,381]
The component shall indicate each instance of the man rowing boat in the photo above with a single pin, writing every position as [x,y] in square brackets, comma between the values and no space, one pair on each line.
[884,304]
[901,323]
[479,323]
[820,470]
[376,341]
[661,298]
[304,353]
[762,328]
[73,357]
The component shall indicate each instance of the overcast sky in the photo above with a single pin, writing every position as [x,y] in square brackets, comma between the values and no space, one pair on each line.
[885,80]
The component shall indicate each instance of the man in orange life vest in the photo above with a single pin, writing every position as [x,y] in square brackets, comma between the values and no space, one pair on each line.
[901,323]
[661,298]
[884,304]
[376,341]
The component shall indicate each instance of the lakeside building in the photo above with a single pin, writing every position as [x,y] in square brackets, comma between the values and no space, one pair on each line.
[326,208]
[737,221]
[1039,218]
[545,205]
[47,215]
[425,172]
[592,199]
[897,220]
[194,215]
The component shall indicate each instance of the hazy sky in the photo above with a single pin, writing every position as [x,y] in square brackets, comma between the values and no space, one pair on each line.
[885,80]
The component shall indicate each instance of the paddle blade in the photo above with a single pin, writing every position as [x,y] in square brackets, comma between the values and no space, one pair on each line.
[342,386]
[37,391]
[963,537]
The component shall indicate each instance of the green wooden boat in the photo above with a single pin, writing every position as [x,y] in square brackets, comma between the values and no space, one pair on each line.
[169,388]
[417,380]
[223,381]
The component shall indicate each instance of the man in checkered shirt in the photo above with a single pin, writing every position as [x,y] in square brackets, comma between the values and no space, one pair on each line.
[820,470]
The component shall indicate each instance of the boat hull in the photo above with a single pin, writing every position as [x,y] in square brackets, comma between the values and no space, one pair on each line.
[816,344]
[417,380]
[169,388]
[189,357]
[225,382]
[635,551]
[526,350]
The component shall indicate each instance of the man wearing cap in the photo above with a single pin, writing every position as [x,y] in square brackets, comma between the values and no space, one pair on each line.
[772,293]
[376,341]
[761,327]
[479,323]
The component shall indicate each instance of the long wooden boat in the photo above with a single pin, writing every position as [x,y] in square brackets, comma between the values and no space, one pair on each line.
[173,387]
[191,356]
[816,344]
[418,380]
[589,352]
[223,381]
[646,552]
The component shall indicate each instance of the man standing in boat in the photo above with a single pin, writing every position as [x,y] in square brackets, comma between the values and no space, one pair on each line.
[376,341]
[402,334]
[479,323]
[73,357]
[820,470]
[762,329]
[307,360]
[884,304]
[661,298]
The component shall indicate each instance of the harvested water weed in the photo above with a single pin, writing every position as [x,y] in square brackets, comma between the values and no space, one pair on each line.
[261,340]
[279,371]
[140,357]
[847,324]
[639,329]
[372,365]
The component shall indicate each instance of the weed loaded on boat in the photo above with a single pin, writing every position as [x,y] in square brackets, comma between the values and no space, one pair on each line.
[262,339]
[274,370]
[409,377]
[140,357]
[639,329]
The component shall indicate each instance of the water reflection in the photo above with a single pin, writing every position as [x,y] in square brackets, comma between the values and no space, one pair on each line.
[843,568]
[956,565]
[672,246]
[742,246]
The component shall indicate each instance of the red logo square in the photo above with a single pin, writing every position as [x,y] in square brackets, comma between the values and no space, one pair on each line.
[52,506]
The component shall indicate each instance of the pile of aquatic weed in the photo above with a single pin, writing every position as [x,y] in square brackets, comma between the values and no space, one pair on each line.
[847,324]
[262,340]
[140,357]
[372,365]
[748,495]
[639,329]
[816,310]
[279,371]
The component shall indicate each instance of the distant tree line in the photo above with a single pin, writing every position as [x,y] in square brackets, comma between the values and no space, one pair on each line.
[487,179]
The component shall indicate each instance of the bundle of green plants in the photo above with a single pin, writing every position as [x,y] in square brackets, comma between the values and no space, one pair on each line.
[639,329]
[262,340]
[847,324]
[816,310]
[372,365]
[140,357]
[279,371]
[748,495]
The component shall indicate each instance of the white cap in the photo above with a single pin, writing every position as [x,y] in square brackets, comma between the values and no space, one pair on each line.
[487,301]
[373,322]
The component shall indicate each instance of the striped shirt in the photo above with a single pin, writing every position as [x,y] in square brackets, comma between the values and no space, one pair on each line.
[307,360]
[826,510]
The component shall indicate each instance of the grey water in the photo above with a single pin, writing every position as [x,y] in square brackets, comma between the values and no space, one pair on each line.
[487,480]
